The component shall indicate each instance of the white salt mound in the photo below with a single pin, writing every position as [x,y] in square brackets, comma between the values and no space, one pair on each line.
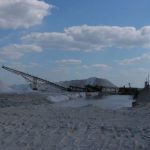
[93,81]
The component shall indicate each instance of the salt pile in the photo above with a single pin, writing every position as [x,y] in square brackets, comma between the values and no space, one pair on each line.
[44,127]
[93,81]
[65,97]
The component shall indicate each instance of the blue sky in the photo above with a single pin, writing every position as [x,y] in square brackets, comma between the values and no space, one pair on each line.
[70,39]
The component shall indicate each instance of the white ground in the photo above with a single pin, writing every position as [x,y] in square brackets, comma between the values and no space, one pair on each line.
[32,123]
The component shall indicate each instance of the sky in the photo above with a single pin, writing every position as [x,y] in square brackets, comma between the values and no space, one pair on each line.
[76,39]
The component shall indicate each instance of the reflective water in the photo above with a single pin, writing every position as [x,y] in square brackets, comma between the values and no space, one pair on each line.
[105,102]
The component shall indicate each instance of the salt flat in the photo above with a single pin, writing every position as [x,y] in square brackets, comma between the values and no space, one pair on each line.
[41,126]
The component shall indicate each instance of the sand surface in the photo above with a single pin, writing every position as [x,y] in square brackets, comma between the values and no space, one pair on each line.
[41,126]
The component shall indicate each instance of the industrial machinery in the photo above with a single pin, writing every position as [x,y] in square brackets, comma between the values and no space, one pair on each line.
[34,80]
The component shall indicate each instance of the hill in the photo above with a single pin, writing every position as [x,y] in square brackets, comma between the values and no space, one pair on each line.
[93,81]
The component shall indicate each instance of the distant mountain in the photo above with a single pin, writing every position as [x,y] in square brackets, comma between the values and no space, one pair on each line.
[93,81]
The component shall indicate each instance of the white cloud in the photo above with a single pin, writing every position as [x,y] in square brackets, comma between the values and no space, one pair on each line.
[64,62]
[19,65]
[103,66]
[85,66]
[10,55]
[140,59]
[16,51]
[69,62]
[22,13]
[97,66]
[23,48]
[90,38]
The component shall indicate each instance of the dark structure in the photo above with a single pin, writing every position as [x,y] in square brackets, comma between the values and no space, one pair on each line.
[143,95]
[127,90]
[33,80]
